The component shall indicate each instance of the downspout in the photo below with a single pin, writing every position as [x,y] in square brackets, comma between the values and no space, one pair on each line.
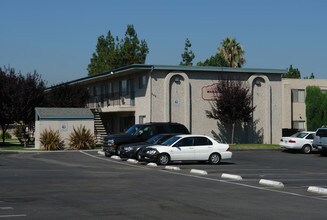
[150,77]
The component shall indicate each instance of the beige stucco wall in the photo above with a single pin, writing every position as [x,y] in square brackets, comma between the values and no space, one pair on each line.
[40,126]
[143,101]
[190,107]
[296,111]
[177,96]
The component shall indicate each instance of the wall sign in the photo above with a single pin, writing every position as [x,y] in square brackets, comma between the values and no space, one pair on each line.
[210,92]
[63,126]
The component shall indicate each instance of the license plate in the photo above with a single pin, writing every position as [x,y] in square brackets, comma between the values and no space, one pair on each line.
[319,147]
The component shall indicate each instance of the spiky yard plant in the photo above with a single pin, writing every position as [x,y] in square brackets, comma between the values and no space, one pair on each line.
[51,140]
[82,139]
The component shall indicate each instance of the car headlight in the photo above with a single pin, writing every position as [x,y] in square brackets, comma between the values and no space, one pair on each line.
[111,143]
[152,152]
[128,148]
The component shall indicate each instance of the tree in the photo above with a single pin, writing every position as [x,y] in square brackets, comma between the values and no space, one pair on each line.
[293,73]
[8,87]
[232,105]
[31,95]
[19,96]
[215,60]
[316,107]
[188,54]
[105,56]
[309,77]
[112,53]
[64,95]
[232,52]
[131,50]
[229,54]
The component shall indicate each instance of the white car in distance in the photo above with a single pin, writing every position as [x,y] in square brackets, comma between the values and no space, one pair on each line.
[299,141]
[186,148]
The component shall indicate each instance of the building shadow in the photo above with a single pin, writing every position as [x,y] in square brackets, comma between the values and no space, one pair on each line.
[245,133]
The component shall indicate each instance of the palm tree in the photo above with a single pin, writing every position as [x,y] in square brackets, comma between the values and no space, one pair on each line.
[232,52]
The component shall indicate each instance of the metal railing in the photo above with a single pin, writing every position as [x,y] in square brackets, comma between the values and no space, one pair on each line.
[112,100]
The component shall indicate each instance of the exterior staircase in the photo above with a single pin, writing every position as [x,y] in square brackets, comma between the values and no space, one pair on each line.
[99,128]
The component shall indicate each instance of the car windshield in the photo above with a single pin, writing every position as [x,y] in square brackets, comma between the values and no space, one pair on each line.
[154,139]
[300,134]
[170,141]
[137,129]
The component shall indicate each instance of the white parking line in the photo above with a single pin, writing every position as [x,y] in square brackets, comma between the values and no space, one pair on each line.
[215,180]
[12,216]
[114,161]
[6,208]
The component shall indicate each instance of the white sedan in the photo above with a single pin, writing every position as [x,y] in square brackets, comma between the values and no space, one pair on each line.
[186,148]
[299,141]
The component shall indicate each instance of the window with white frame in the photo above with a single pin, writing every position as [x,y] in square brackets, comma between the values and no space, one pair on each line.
[298,125]
[141,119]
[298,95]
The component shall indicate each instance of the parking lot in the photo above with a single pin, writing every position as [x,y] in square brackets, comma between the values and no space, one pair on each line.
[88,185]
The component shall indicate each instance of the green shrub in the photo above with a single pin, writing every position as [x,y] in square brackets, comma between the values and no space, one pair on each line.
[50,140]
[82,139]
[7,135]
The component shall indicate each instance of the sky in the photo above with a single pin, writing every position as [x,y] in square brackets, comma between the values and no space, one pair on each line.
[58,37]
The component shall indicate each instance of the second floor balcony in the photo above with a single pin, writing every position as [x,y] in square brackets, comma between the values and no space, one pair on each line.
[113,102]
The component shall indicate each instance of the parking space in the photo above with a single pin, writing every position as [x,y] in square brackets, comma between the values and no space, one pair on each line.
[295,171]
[7,211]
[88,185]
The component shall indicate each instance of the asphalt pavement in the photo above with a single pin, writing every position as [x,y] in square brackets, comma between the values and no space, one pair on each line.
[88,185]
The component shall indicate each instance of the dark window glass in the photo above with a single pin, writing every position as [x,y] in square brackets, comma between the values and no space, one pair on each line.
[310,136]
[198,141]
[184,142]
[163,139]
[322,133]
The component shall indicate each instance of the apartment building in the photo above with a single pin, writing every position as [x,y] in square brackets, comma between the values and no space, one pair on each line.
[156,93]
[294,111]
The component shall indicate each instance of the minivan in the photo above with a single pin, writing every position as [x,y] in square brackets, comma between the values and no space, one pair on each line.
[320,141]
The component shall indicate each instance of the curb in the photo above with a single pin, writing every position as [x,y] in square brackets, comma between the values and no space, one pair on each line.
[318,190]
[152,165]
[115,157]
[101,152]
[231,176]
[271,183]
[132,161]
[171,168]
[201,172]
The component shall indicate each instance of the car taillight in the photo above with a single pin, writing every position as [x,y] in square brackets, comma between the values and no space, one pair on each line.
[228,149]
[291,141]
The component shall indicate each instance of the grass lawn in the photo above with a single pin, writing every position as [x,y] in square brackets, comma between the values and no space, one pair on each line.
[14,144]
[254,146]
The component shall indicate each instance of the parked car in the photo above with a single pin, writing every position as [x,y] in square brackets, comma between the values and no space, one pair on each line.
[131,150]
[299,141]
[320,141]
[140,133]
[186,148]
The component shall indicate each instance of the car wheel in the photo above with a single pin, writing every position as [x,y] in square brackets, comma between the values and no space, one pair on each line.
[214,158]
[306,149]
[163,159]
